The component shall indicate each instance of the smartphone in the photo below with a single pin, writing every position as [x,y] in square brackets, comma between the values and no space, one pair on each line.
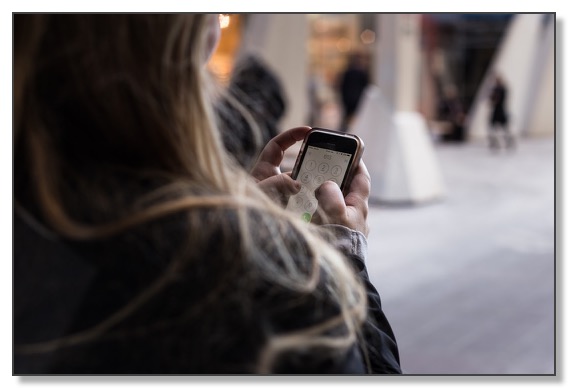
[325,155]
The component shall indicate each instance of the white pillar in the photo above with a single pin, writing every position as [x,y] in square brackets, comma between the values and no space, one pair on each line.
[400,154]
[540,118]
[515,62]
[397,70]
[281,39]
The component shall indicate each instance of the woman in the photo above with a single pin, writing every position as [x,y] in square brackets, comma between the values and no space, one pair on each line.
[140,246]
[499,119]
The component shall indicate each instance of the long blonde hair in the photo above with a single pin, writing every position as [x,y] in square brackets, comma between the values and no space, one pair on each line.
[97,95]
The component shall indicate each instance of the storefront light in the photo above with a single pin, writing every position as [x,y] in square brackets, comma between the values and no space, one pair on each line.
[224,20]
[368,36]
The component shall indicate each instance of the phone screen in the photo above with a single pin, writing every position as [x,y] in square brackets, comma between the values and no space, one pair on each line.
[318,165]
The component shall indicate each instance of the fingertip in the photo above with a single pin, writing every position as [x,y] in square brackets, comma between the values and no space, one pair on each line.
[328,190]
[363,167]
[291,185]
[297,187]
[325,187]
[286,139]
[330,199]
[299,133]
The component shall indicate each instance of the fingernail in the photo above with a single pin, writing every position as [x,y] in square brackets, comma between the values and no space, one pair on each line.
[297,186]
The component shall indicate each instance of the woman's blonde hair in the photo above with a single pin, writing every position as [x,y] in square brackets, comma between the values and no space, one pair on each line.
[128,96]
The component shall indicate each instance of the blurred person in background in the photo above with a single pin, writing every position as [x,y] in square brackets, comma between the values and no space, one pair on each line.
[352,84]
[141,246]
[451,111]
[499,120]
[255,98]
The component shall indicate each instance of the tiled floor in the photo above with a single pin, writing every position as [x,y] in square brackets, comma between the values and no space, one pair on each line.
[468,282]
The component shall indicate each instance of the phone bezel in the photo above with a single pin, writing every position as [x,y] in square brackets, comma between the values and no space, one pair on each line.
[336,141]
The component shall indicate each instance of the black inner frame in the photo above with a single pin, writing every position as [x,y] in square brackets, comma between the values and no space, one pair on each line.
[332,142]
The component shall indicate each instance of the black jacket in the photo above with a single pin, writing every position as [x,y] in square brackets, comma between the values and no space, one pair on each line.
[79,291]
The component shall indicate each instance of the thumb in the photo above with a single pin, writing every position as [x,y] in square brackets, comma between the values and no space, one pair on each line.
[331,201]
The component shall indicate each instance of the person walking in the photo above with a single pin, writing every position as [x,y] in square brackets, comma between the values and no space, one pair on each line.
[499,120]
[352,84]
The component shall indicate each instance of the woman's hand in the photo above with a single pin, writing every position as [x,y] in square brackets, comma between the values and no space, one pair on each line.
[350,211]
[267,172]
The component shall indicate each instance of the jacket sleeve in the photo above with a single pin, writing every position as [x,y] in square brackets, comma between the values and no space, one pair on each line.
[380,343]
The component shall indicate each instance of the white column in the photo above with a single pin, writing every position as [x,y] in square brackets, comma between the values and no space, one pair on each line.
[515,62]
[540,119]
[397,70]
[281,39]
[400,154]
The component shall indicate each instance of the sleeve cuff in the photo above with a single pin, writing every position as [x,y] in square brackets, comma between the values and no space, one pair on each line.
[350,242]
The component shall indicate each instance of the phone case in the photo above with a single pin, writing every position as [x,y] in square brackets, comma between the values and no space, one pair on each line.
[356,156]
